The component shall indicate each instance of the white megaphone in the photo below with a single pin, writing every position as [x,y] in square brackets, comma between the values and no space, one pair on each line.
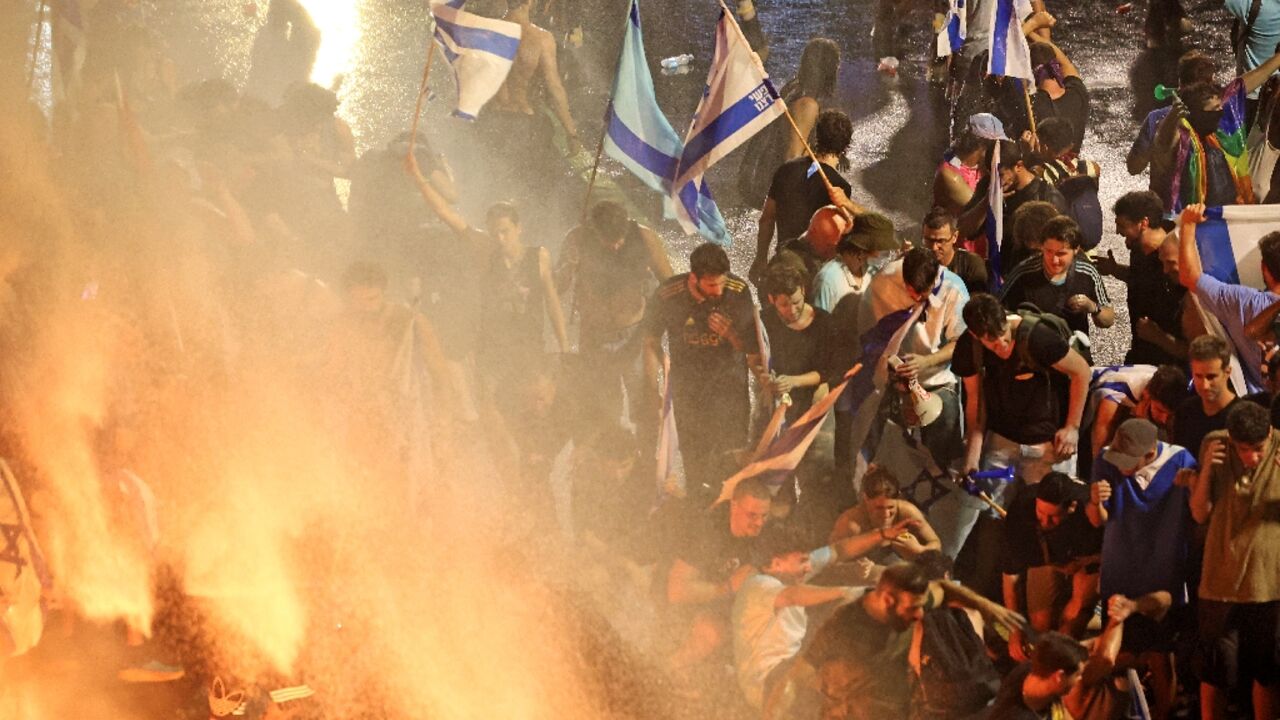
[925,406]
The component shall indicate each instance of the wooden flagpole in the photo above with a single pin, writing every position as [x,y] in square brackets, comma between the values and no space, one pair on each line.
[595,167]
[422,94]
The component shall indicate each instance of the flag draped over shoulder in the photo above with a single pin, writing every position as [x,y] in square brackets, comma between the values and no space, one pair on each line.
[738,102]
[954,29]
[1009,53]
[639,136]
[480,50]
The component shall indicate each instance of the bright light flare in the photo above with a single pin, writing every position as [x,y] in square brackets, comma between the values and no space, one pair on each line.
[339,23]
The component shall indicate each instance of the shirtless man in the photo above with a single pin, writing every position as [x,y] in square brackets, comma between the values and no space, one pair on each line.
[536,53]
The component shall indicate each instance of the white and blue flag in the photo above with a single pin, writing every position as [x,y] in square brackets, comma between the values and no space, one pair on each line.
[738,102]
[479,49]
[1009,53]
[639,136]
[954,29]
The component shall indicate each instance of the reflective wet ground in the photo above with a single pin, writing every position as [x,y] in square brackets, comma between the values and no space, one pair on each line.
[899,122]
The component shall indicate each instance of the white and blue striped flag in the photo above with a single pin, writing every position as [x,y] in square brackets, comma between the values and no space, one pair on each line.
[954,29]
[639,136]
[479,49]
[738,102]
[1009,53]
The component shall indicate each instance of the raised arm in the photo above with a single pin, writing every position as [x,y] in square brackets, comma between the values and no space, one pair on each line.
[441,207]
[1257,77]
[1189,267]
[659,263]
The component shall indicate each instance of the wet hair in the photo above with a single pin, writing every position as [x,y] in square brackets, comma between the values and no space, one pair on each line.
[306,106]
[920,269]
[1029,220]
[1056,133]
[780,541]
[708,260]
[1197,94]
[610,219]
[1248,422]
[1210,347]
[905,577]
[1168,386]
[1012,153]
[504,209]
[985,316]
[364,274]
[1270,247]
[833,132]
[1042,53]
[1139,205]
[1195,66]
[935,564]
[937,218]
[752,487]
[1064,229]
[1056,488]
[967,143]
[819,66]
[1055,651]
[880,482]
[784,279]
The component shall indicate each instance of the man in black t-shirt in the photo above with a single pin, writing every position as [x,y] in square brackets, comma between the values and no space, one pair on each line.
[1154,299]
[939,234]
[708,568]
[1036,690]
[1206,411]
[709,320]
[796,191]
[1060,91]
[1025,390]
[1052,551]
[1058,281]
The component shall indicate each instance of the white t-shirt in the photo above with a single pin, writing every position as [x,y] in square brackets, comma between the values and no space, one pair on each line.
[764,637]
[833,281]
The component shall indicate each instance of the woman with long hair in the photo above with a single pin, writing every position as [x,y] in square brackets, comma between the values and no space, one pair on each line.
[814,84]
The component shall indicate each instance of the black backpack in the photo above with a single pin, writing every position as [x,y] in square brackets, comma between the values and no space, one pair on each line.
[1081,192]
[1033,316]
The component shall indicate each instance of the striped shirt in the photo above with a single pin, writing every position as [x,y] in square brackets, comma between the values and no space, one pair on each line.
[1027,283]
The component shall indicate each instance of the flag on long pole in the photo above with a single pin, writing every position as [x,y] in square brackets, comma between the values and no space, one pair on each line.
[739,101]
[668,442]
[640,137]
[479,49]
[1009,54]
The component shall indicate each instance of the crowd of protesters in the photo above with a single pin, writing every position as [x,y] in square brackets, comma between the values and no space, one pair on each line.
[989,525]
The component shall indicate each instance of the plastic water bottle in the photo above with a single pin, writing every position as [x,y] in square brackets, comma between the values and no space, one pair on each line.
[674,63]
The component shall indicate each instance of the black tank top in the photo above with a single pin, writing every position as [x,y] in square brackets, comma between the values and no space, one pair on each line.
[514,305]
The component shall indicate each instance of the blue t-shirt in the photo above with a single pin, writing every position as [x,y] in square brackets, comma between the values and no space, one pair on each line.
[1235,305]
[1148,532]
[1263,36]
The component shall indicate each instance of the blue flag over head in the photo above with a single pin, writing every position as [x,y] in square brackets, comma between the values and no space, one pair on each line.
[639,136]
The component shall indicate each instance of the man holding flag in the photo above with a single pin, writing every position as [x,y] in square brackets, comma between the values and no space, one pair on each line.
[708,318]
[480,50]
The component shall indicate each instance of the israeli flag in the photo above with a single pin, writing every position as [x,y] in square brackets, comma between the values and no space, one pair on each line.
[738,102]
[954,29]
[995,218]
[639,136]
[480,50]
[1009,53]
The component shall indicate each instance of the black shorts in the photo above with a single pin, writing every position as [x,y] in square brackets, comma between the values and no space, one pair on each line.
[1239,643]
